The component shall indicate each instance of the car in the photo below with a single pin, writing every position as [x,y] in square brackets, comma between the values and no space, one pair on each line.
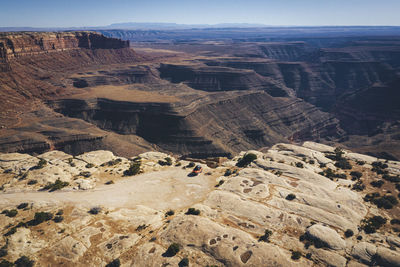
[198,169]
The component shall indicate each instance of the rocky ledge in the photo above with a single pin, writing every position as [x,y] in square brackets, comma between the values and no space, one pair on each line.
[290,205]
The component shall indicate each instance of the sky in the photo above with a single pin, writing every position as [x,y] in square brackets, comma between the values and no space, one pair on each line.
[79,13]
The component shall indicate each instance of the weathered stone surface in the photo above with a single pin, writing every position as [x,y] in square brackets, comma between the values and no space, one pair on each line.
[364,252]
[327,235]
[97,157]
[387,257]
[328,258]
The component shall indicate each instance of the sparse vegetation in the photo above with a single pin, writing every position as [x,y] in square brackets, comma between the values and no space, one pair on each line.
[395,221]
[184,262]
[290,197]
[172,250]
[22,206]
[71,163]
[32,182]
[356,175]
[377,184]
[6,263]
[228,172]
[95,210]
[58,219]
[85,174]
[372,224]
[358,186]
[89,165]
[386,202]
[109,182]
[111,162]
[296,255]
[114,263]
[266,236]
[221,182]
[10,213]
[24,261]
[57,185]
[299,165]
[246,160]
[41,164]
[169,213]
[40,217]
[133,169]
[348,233]
[192,211]
[166,162]
[191,165]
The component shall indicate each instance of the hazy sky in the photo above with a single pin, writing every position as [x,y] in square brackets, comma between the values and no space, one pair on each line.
[67,13]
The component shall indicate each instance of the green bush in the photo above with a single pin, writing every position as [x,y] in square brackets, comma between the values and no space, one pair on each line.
[266,236]
[343,164]
[192,211]
[172,250]
[133,169]
[359,186]
[246,160]
[391,178]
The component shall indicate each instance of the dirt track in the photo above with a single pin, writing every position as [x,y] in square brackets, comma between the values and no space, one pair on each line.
[169,189]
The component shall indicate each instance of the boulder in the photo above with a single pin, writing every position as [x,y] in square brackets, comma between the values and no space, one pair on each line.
[326,235]
[387,257]
[364,252]
[97,157]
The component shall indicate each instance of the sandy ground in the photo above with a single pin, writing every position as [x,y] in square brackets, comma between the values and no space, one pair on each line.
[170,189]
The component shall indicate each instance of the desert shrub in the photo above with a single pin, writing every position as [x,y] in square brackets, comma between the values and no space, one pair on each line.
[228,172]
[359,237]
[377,184]
[348,233]
[359,186]
[89,165]
[184,262]
[178,164]
[3,251]
[290,197]
[114,263]
[24,261]
[391,178]
[58,219]
[111,162]
[372,224]
[11,231]
[322,165]
[172,250]
[221,182]
[191,165]
[169,213]
[85,174]
[328,173]
[110,182]
[341,176]
[60,212]
[23,176]
[356,174]
[57,185]
[296,255]
[41,217]
[265,237]
[311,161]
[10,213]
[133,169]
[41,164]
[246,160]
[71,163]
[395,221]
[95,210]
[32,182]
[166,162]
[141,227]
[360,162]
[6,263]
[386,202]
[343,164]
[192,211]
[278,173]
[22,206]
[299,165]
